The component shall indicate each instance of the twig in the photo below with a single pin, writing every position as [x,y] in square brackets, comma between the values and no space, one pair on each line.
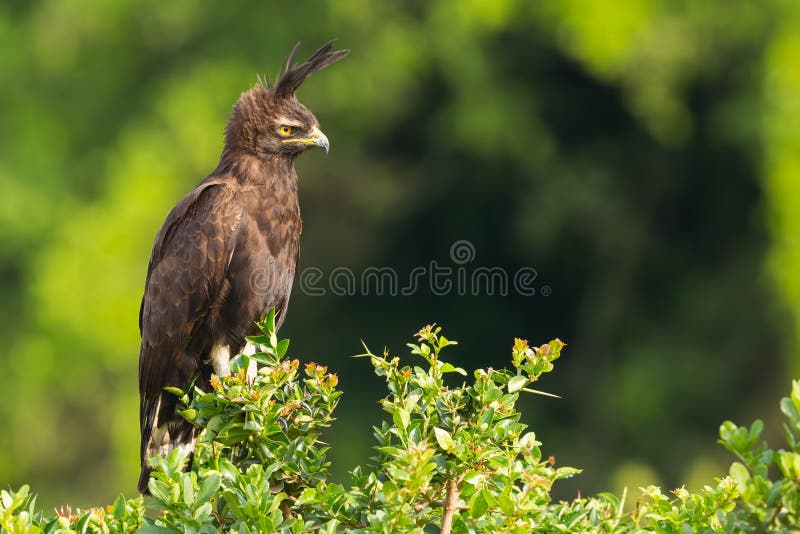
[286,509]
[449,505]
[438,502]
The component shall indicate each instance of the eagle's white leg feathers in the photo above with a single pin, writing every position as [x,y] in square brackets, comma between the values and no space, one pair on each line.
[185,448]
[221,360]
[160,441]
[158,434]
[252,368]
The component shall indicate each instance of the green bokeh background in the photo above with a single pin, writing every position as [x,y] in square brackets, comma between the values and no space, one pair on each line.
[642,156]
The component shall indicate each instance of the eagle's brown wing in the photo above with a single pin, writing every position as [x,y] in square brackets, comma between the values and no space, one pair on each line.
[185,287]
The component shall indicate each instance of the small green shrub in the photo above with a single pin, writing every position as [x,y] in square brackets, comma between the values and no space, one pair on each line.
[451,455]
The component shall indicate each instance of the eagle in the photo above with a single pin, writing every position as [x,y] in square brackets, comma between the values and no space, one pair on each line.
[226,254]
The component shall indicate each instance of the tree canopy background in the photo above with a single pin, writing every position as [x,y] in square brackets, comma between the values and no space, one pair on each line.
[642,158]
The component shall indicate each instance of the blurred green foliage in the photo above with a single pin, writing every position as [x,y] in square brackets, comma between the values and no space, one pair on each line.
[642,158]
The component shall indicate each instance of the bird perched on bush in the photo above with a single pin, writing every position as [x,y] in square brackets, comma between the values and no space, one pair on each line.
[226,253]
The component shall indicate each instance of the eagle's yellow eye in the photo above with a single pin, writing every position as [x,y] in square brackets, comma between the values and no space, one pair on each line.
[285,131]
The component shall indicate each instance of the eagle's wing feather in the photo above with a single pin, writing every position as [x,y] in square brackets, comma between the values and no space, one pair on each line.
[186,283]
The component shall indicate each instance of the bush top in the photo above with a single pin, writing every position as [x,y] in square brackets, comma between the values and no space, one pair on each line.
[449,455]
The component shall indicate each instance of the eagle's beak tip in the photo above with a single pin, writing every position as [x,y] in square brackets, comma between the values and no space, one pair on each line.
[321,140]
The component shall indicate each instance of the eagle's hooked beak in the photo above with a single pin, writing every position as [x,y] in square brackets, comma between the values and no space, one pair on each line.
[318,138]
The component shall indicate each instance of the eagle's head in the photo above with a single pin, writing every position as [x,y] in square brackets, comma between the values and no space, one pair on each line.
[268,121]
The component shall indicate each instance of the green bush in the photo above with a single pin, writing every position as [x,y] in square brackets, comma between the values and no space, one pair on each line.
[450,455]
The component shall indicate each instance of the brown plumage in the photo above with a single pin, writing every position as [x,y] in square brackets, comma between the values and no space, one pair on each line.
[226,253]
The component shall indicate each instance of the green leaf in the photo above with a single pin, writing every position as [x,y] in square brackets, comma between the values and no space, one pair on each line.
[790,410]
[566,472]
[240,361]
[190,414]
[401,417]
[153,529]
[473,477]
[478,505]
[444,438]
[755,430]
[203,511]
[119,507]
[255,426]
[158,489]
[517,383]
[269,322]
[6,500]
[188,490]
[796,394]
[506,504]
[215,423]
[450,368]
[80,526]
[726,432]
[209,486]
[178,392]
[283,346]
[740,474]
[412,399]
[492,393]
[258,340]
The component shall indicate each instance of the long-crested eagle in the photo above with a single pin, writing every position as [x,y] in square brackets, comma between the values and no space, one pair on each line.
[226,253]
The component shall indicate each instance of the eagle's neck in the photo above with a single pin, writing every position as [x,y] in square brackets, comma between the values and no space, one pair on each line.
[267,185]
[252,171]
